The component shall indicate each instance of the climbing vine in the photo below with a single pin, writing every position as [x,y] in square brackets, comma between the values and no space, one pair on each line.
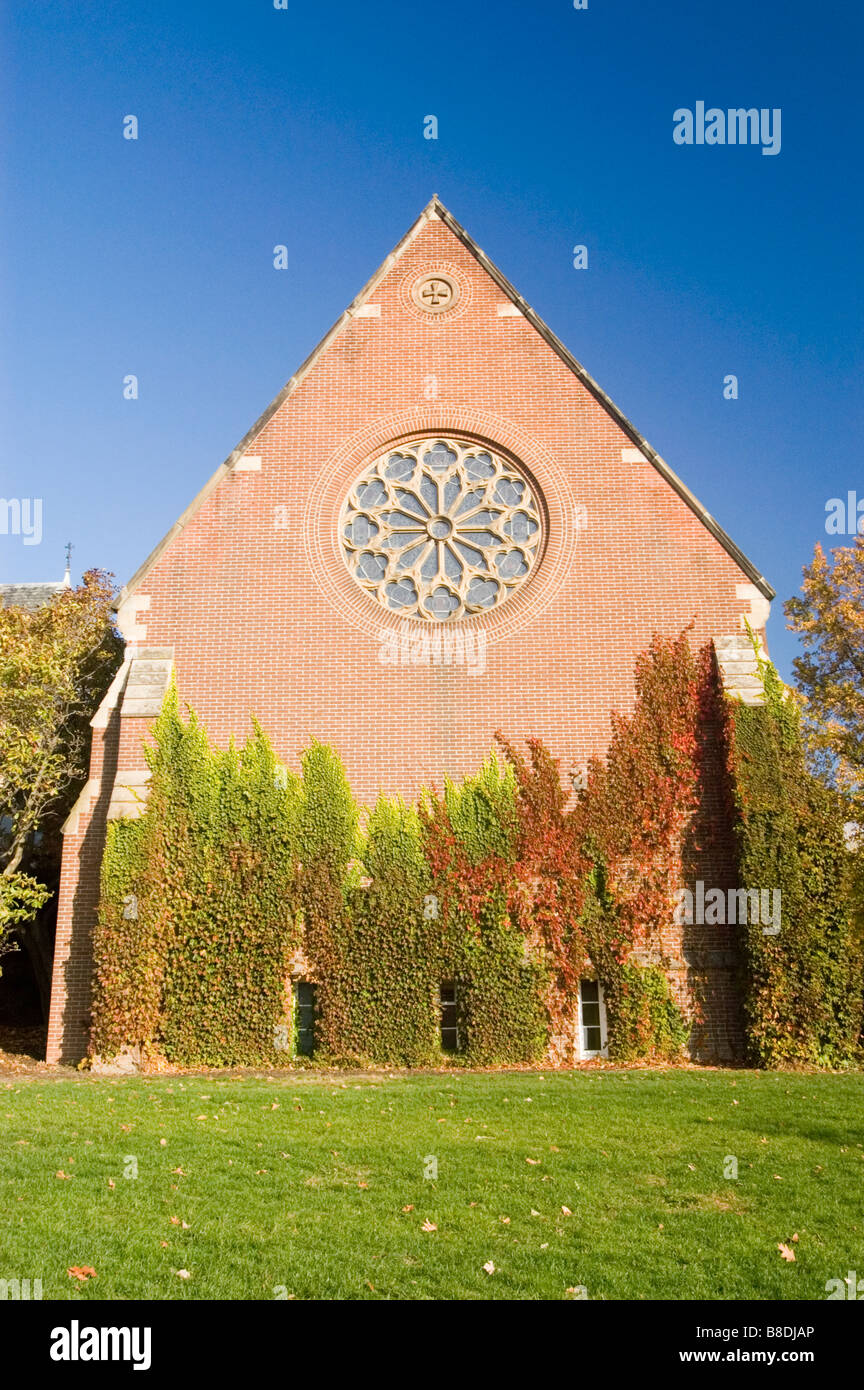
[803,982]
[198,916]
[241,879]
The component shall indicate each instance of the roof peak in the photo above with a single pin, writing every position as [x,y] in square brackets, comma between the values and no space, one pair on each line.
[437,208]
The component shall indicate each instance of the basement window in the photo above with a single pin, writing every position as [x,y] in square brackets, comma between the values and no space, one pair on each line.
[592,1020]
[449,1011]
[304,1018]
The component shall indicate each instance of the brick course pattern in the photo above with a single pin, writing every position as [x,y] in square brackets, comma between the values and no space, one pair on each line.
[252,602]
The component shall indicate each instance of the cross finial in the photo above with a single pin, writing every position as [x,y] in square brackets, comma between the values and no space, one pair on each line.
[67,578]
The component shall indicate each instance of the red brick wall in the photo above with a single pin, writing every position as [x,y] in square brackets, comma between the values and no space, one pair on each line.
[267,621]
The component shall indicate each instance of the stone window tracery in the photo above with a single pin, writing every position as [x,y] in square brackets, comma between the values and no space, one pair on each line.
[438,529]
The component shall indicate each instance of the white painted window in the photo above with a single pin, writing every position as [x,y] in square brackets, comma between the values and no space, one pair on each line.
[593,1036]
[449,1013]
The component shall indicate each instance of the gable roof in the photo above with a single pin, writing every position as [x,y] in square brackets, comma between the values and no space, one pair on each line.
[435,209]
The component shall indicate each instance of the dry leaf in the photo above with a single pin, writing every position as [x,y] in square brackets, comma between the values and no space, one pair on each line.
[61,1174]
[786,1252]
[183,1274]
[489,1267]
[111,1183]
[410,1207]
[535,1161]
[565,1211]
[81,1272]
[428,1225]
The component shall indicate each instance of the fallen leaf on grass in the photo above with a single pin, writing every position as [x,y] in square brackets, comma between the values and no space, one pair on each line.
[111,1183]
[81,1272]
[428,1225]
[489,1267]
[61,1174]
[182,1274]
[410,1207]
[786,1253]
[535,1161]
[565,1211]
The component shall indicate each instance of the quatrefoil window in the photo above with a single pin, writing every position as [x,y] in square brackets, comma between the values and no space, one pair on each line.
[439,529]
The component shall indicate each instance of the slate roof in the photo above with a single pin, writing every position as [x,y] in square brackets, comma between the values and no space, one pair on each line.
[29,596]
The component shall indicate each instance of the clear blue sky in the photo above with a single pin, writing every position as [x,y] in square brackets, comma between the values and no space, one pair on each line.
[305,127]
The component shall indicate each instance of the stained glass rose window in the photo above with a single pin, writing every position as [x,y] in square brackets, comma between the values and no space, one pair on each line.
[439,529]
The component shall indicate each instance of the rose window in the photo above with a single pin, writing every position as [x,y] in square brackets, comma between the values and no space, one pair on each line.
[439,529]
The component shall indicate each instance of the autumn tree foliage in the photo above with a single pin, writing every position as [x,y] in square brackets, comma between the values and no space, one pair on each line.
[828,616]
[55,665]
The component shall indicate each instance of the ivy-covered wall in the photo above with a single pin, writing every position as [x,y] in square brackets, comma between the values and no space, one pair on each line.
[242,878]
[198,915]
[240,874]
[802,984]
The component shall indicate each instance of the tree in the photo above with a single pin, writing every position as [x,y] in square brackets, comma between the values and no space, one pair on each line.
[55,665]
[829,619]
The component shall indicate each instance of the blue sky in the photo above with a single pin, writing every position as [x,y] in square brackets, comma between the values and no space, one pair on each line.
[304,127]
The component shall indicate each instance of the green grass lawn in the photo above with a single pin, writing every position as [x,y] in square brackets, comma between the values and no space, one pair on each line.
[318,1185]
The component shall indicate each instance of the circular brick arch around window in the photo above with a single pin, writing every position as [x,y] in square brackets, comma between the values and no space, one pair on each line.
[341,469]
[439,529]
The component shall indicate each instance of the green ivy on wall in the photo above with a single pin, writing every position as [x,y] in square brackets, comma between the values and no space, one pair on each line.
[241,877]
[802,984]
[198,913]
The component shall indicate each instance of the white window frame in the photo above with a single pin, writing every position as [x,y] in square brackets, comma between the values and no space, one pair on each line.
[582,1053]
[455,983]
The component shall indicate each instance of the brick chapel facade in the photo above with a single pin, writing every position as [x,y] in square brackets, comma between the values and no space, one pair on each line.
[439,465]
